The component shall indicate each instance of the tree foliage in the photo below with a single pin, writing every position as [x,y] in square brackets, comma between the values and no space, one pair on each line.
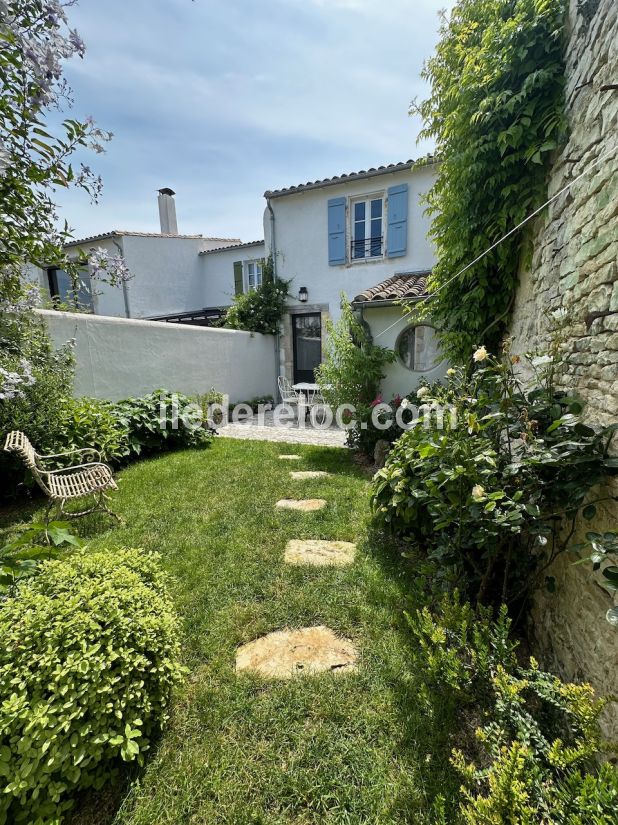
[496,113]
[353,365]
[35,161]
[35,40]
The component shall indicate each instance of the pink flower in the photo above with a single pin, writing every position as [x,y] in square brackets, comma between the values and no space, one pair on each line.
[397,400]
[377,400]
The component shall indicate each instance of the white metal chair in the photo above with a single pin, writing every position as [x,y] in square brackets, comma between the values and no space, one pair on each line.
[287,392]
[68,483]
[307,399]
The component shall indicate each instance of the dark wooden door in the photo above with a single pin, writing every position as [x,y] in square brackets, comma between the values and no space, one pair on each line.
[307,335]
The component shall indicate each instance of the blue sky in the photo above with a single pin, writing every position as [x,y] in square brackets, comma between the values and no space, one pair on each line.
[223,99]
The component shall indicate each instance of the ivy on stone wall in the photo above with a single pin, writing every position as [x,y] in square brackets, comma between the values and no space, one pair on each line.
[496,112]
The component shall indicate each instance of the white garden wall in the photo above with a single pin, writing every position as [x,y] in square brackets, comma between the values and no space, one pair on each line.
[117,357]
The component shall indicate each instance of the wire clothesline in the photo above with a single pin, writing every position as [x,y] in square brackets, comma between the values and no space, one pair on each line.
[501,240]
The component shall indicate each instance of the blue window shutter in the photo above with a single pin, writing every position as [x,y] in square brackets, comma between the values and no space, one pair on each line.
[397,238]
[336,231]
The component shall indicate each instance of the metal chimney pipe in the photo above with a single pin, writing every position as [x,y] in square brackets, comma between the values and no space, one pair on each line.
[167,212]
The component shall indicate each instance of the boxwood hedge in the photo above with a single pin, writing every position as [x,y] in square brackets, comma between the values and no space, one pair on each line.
[88,663]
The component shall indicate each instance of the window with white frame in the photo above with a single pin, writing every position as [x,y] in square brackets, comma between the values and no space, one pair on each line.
[417,348]
[253,274]
[367,227]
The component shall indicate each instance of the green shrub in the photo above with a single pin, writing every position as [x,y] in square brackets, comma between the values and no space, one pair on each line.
[22,554]
[90,422]
[34,407]
[150,422]
[534,758]
[353,365]
[255,403]
[541,740]
[212,405]
[208,400]
[483,496]
[372,423]
[260,309]
[88,664]
[458,649]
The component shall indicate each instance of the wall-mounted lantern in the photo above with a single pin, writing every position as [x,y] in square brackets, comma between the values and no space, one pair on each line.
[303,294]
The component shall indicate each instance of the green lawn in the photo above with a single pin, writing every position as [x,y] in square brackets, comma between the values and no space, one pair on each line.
[322,749]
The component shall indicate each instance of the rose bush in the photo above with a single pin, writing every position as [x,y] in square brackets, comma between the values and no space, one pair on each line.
[485,495]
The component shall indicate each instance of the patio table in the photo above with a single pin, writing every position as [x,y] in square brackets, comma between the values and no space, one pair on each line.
[310,392]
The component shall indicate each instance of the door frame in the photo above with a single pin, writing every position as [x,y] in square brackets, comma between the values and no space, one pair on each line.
[293,316]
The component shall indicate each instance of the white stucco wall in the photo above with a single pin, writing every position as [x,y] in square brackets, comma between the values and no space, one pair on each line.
[386,324]
[168,275]
[301,237]
[218,272]
[117,358]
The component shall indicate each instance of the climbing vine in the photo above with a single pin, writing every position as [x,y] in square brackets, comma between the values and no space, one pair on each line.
[496,113]
[261,309]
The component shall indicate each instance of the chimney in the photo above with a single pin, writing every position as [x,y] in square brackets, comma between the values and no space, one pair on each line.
[167,212]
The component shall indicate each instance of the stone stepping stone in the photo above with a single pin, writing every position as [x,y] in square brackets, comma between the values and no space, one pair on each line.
[289,457]
[307,505]
[320,553]
[303,474]
[287,653]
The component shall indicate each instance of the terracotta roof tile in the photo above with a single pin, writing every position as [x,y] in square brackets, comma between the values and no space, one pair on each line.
[349,176]
[238,245]
[401,285]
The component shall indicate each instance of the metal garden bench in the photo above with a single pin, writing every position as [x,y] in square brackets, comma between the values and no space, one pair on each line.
[91,478]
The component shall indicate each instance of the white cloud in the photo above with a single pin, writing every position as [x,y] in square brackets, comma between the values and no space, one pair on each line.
[222,101]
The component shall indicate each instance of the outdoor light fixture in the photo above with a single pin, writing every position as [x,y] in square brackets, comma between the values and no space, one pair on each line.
[303,294]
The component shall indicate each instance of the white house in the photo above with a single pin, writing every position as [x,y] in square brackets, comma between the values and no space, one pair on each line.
[360,234]
[170,279]
[232,270]
[364,234]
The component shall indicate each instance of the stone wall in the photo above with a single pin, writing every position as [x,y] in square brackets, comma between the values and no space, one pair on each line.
[574,267]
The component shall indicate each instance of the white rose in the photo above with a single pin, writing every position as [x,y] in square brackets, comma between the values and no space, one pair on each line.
[423,392]
[478,492]
[405,404]
[451,372]
[480,354]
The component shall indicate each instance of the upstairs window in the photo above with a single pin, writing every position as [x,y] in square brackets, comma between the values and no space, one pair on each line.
[63,291]
[367,221]
[368,228]
[253,275]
